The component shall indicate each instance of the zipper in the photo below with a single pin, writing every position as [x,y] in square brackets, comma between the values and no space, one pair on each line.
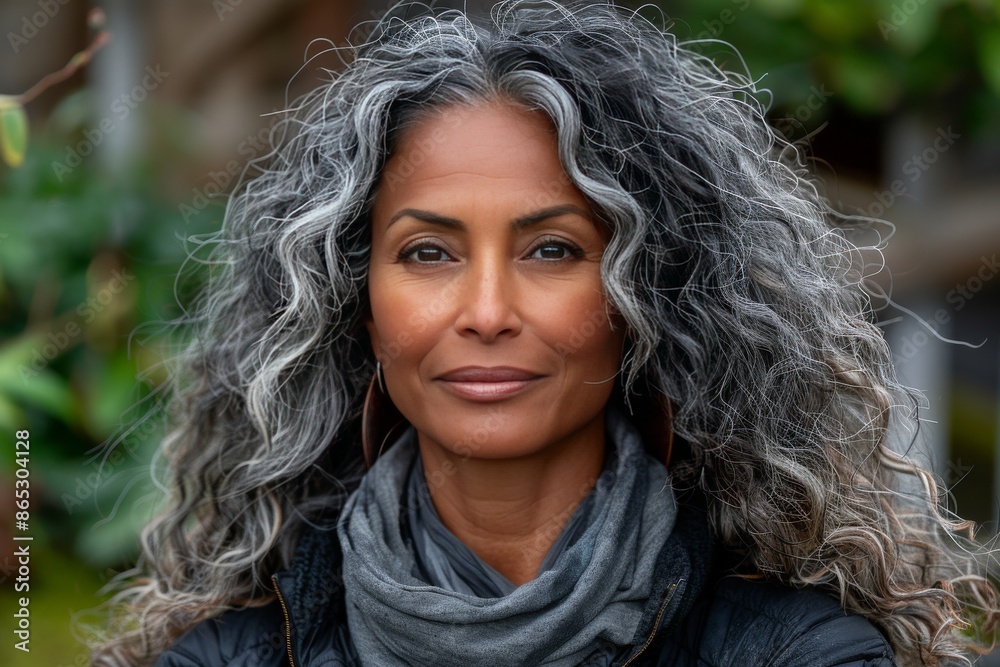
[656,623]
[288,621]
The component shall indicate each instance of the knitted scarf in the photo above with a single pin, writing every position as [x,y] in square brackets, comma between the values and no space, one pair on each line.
[580,610]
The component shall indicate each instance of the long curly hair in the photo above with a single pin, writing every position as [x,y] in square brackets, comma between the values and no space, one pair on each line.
[747,307]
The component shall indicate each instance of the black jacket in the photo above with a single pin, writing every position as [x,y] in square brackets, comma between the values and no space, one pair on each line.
[693,617]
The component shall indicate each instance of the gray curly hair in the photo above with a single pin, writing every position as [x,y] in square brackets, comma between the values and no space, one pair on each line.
[746,307]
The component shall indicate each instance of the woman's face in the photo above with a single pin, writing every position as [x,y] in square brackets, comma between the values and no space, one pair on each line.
[487,308]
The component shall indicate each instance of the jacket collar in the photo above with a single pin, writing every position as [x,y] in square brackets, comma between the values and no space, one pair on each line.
[682,570]
[312,596]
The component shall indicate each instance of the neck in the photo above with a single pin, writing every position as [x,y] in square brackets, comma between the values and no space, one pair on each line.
[510,511]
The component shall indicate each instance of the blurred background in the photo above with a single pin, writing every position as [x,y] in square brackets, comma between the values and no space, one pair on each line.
[121,161]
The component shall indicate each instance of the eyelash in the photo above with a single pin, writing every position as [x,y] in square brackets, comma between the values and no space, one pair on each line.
[406,255]
[573,251]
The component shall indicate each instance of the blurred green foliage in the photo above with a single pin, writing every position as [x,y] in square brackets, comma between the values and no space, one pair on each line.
[88,255]
[877,57]
[88,261]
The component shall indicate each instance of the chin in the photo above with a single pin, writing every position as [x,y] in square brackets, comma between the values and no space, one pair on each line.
[489,437]
[499,431]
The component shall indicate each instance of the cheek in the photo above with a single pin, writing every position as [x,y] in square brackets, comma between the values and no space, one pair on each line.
[579,330]
[403,322]
[393,340]
[389,334]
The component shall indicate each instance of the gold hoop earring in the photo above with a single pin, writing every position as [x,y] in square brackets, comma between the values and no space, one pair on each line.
[653,416]
[379,418]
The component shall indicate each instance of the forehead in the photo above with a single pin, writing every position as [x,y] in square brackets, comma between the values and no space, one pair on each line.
[470,149]
[470,120]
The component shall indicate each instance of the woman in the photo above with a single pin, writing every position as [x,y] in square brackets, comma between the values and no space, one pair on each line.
[555,281]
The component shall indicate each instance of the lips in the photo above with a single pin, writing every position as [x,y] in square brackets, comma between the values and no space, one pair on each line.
[483,374]
[478,383]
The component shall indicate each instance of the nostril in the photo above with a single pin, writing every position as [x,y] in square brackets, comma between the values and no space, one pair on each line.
[489,311]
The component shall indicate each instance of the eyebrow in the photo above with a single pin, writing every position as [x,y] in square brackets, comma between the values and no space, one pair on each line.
[519,223]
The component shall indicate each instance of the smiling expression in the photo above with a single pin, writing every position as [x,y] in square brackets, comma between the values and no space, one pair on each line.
[487,308]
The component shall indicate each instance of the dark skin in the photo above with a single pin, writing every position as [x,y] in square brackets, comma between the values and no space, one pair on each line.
[485,254]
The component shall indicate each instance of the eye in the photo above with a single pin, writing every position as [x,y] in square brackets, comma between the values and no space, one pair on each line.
[552,250]
[423,253]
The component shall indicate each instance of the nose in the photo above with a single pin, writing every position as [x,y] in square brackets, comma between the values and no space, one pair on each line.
[489,301]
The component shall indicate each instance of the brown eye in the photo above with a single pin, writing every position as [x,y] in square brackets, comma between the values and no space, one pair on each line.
[554,251]
[429,255]
[424,253]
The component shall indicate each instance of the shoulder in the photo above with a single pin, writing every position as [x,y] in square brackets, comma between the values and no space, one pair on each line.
[256,636]
[251,637]
[739,620]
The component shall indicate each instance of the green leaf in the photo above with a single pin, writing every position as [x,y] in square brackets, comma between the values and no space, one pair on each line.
[13,131]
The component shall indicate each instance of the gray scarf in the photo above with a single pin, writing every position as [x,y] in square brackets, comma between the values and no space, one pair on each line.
[580,610]
[445,561]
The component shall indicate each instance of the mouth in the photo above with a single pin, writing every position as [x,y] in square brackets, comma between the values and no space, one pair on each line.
[478,383]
